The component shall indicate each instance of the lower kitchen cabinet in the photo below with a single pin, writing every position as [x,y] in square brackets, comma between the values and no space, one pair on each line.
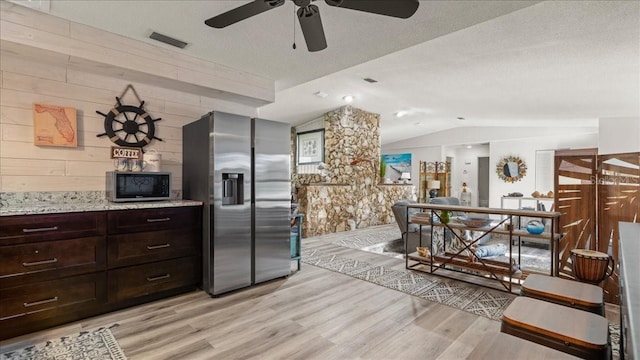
[144,280]
[40,305]
[70,266]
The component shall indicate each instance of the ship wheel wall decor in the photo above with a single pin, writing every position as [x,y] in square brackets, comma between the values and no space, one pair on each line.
[128,125]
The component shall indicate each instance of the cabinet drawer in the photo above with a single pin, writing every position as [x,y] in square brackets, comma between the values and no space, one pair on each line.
[50,259]
[127,221]
[28,228]
[144,247]
[43,300]
[142,280]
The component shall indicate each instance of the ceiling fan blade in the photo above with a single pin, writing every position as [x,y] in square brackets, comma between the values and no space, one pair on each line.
[243,12]
[396,8]
[312,29]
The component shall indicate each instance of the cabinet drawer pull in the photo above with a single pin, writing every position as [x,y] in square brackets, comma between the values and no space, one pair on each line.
[53,228]
[159,220]
[156,278]
[50,261]
[154,247]
[55,298]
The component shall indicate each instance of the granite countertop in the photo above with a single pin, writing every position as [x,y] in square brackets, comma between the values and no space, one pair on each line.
[45,202]
[50,208]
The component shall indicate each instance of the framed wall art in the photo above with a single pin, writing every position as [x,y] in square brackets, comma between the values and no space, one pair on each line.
[54,125]
[310,147]
[397,164]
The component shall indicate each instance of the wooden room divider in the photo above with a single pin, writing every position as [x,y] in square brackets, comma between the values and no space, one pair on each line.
[593,193]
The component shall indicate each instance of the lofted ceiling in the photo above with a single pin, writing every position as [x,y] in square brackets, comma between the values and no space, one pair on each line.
[453,64]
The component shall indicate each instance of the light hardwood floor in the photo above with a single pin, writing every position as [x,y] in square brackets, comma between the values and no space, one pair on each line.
[312,314]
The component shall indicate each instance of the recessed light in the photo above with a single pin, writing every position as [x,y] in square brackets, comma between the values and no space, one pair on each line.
[321,94]
[348,98]
[469,146]
[460,118]
[370,80]
[401,113]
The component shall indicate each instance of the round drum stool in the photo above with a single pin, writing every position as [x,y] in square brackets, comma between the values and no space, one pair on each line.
[591,266]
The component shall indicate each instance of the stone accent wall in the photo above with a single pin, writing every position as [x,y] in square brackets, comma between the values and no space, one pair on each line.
[349,196]
[334,208]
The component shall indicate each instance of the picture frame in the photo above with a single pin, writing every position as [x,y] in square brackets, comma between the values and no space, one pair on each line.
[310,147]
[54,125]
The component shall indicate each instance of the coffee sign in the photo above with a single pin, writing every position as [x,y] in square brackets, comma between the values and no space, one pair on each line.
[118,152]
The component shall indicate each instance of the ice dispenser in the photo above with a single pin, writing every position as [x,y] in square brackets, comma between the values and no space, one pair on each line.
[232,193]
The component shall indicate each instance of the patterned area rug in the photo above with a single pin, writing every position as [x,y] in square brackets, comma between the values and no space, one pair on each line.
[96,344]
[386,240]
[362,239]
[476,300]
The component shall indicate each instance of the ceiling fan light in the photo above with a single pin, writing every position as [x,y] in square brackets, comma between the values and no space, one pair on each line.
[311,25]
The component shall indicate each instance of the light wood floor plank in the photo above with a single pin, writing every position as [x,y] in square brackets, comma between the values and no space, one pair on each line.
[312,314]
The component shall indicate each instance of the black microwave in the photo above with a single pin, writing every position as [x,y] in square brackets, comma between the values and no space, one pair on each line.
[123,186]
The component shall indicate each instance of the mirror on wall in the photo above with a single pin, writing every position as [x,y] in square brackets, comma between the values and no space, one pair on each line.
[544,170]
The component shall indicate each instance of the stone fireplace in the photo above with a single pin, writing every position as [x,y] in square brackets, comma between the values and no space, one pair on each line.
[350,195]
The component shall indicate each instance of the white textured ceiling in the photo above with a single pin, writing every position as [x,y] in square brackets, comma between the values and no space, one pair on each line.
[495,63]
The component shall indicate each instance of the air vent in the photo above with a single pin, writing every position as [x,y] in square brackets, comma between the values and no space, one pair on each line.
[168,40]
[370,80]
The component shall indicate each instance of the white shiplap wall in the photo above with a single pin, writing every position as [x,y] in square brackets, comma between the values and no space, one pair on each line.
[33,73]
[26,167]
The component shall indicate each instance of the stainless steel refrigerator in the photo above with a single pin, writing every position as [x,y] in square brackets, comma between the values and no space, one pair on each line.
[240,169]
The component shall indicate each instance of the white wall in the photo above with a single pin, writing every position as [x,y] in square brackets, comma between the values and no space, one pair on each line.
[465,169]
[521,142]
[619,135]
[526,150]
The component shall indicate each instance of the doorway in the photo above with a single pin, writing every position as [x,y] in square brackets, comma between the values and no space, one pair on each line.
[483,181]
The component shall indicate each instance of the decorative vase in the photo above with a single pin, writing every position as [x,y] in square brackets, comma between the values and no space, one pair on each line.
[535,227]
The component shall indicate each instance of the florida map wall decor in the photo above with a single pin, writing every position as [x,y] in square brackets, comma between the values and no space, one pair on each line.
[54,125]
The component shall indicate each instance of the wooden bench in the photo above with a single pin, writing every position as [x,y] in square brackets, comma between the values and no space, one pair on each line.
[565,292]
[504,346]
[569,330]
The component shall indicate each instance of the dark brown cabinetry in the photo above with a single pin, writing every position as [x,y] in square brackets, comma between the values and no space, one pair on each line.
[152,251]
[52,270]
[57,268]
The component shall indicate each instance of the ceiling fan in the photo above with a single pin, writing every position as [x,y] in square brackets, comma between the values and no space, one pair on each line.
[309,14]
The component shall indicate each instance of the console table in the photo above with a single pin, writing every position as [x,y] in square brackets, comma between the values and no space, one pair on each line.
[463,258]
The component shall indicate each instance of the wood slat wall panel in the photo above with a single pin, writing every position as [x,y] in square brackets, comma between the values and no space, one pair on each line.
[209,104]
[133,47]
[576,202]
[53,61]
[35,19]
[116,85]
[24,66]
[22,163]
[618,200]
[106,98]
[25,35]
[23,27]
[33,167]
[24,100]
